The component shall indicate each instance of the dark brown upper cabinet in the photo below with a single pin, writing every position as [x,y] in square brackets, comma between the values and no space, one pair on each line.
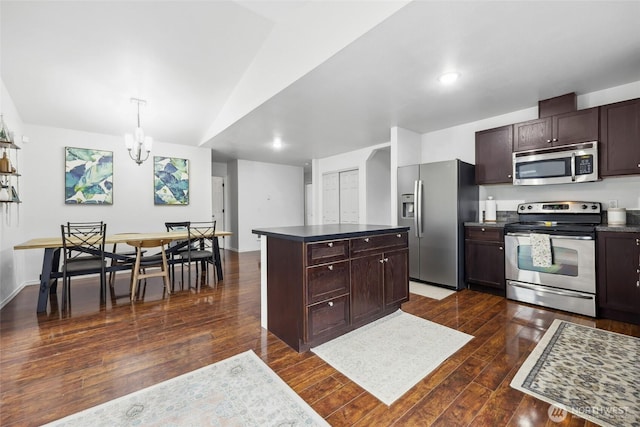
[493,155]
[620,138]
[562,129]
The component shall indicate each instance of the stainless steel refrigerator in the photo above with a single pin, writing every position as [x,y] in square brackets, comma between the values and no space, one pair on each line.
[435,201]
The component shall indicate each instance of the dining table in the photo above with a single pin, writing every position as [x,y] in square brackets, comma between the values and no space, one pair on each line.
[52,246]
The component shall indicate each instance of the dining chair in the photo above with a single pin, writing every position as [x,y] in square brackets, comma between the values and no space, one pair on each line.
[83,253]
[176,250]
[200,249]
[142,263]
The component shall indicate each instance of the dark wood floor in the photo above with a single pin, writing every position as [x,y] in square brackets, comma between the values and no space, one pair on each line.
[52,366]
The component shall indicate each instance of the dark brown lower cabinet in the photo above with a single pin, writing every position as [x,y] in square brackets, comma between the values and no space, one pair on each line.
[379,283]
[321,290]
[619,276]
[484,259]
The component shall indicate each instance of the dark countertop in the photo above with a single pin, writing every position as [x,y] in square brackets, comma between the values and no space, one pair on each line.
[629,228]
[499,224]
[314,233]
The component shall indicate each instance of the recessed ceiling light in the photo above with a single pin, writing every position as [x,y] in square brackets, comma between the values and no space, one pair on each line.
[448,78]
[277,143]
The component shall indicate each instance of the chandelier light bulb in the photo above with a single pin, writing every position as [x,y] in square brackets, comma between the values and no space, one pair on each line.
[138,141]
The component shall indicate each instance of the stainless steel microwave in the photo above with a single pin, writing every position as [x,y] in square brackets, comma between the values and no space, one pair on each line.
[563,164]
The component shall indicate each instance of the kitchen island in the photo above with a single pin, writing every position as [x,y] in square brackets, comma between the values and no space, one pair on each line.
[323,281]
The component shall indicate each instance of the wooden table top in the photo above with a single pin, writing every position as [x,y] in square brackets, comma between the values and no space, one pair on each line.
[56,242]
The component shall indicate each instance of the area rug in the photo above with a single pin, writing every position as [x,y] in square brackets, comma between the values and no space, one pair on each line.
[239,391]
[429,291]
[589,372]
[389,356]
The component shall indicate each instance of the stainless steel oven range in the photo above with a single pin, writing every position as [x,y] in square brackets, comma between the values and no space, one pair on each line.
[566,277]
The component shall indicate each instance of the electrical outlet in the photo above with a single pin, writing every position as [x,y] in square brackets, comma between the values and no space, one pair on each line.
[613,203]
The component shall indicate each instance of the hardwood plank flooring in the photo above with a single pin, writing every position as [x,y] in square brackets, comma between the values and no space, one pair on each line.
[52,365]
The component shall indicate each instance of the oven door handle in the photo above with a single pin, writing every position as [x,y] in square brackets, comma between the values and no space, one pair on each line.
[573,167]
[553,236]
[551,291]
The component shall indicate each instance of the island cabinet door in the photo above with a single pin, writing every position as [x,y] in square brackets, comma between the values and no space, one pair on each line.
[396,277]
[366,288]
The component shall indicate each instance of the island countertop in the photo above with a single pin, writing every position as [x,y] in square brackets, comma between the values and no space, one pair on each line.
[314,233]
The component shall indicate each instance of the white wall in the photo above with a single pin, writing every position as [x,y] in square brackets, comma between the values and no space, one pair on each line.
[352,160]
[269,195]
[379,187]
[11,227]
[459,142]
[133,209]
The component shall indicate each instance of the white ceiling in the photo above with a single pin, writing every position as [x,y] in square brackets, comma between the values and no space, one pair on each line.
[326,76]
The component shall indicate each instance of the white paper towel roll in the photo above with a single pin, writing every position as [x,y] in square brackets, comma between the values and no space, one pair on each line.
[490,210]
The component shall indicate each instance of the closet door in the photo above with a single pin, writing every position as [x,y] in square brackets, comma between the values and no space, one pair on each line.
[330,198]
[349,210]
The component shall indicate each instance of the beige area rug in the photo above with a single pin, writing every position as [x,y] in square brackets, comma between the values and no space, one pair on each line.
[589,372]
[389,356]
[239,391]
[429,291]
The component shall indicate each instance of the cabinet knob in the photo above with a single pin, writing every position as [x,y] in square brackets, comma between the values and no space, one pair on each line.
[500,248]
[330,267]
[482,229]
[330,303]
[555,139]
[398,235]
[330,244]
[639,165]
[381,261]
[548,141]
[366,239]
[386,260]
[509,176]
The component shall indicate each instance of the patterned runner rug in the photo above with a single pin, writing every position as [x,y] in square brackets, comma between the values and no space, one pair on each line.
[239,391]
[389,356]
[589,372]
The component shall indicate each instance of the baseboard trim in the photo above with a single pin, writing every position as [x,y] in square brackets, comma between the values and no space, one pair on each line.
[16,291]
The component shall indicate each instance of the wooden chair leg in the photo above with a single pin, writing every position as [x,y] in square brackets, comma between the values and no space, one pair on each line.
[136,273]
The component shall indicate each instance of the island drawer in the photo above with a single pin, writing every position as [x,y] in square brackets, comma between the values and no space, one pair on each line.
[368,244]
[327,281]
[327,251]
[327,318]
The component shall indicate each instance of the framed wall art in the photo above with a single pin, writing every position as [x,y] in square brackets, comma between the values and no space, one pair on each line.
[170,181]
[88,176]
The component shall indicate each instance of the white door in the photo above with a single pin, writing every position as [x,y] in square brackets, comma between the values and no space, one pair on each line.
[349,210]
[308,204]
[217,204]
[330,198]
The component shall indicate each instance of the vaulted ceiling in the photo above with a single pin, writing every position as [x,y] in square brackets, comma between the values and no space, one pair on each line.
[324,76]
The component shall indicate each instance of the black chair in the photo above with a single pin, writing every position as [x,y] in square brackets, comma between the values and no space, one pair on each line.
[201,248]
[176,250]
[83,253]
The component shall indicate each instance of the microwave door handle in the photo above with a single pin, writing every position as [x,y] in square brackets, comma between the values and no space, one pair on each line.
[573,167]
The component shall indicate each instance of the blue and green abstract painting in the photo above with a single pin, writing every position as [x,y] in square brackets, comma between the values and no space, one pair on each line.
[88,176]
[170,181]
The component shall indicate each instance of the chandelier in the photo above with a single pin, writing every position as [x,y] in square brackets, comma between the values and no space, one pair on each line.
[138,141]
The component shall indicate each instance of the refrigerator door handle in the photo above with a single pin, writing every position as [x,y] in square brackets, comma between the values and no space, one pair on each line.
[418,202]
[415,205]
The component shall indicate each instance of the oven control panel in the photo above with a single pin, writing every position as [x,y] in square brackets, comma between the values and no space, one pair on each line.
[560,207]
